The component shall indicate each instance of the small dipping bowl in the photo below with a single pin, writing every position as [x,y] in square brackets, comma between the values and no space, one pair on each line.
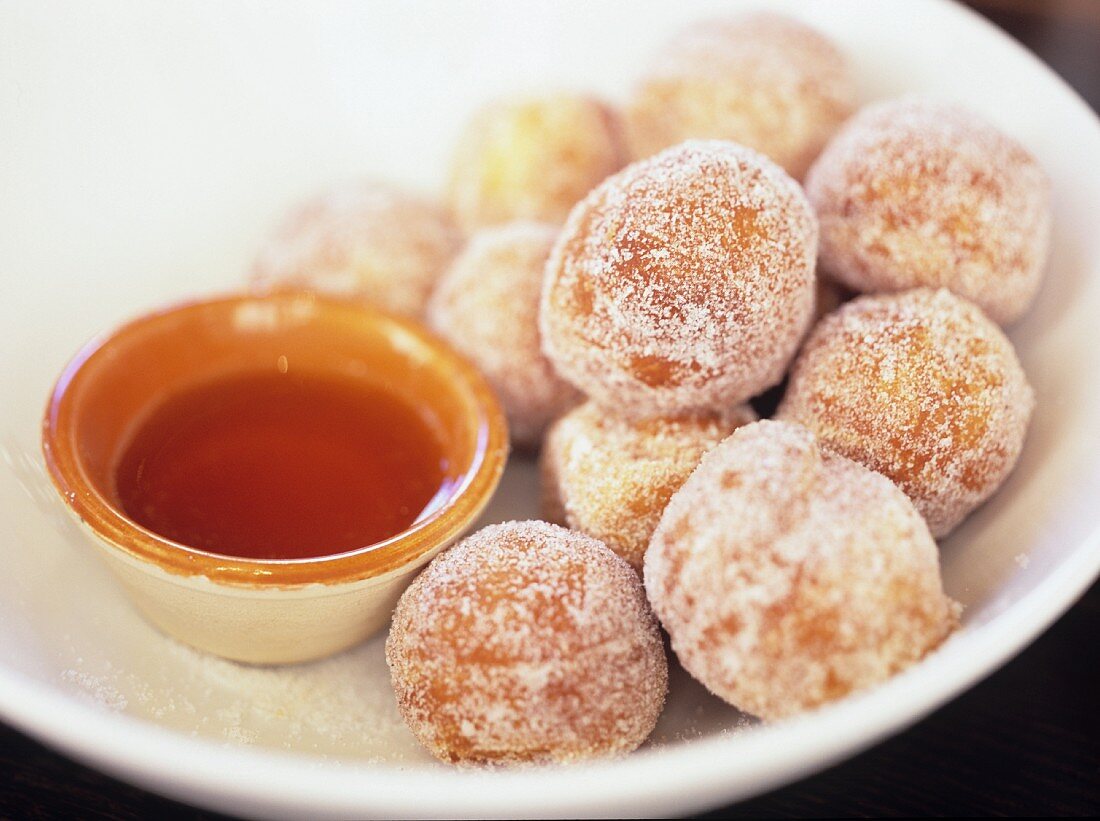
[265,611]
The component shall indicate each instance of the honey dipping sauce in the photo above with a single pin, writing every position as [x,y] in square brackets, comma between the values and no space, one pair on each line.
[281,466]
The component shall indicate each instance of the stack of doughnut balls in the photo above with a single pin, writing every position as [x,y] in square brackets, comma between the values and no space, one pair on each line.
[628,280]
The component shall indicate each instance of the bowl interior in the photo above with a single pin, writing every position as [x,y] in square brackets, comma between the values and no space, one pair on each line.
[142,140]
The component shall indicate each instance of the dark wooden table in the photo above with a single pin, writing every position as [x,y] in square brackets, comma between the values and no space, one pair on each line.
[1024,742]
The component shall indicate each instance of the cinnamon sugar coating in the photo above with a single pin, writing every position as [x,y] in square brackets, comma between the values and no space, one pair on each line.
[788,576]
[486,305]
[611,478]
[913,193]
[365,240]
[922,387]
[527,642]
[533,158]
[683,284]
[760,79]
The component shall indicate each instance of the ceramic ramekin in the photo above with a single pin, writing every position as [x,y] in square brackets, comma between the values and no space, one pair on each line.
[252,610]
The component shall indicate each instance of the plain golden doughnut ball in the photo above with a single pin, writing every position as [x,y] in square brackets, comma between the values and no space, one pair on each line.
[367,241]
[761,79]
[913,193]
[533,158]
[922,387]
[527,642]
[487,306]
[683,284]
[788,576]
[611,478]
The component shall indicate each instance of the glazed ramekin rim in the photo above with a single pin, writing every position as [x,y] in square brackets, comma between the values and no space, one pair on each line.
[112,527]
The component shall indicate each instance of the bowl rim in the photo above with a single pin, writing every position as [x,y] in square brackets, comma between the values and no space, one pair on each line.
[674,779]
[60,450]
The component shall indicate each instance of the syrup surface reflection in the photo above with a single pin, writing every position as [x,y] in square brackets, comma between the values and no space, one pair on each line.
[271,465]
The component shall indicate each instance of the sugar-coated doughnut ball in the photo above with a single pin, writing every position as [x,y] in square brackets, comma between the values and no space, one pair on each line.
[366,240]
[922,387]
[487,306]
[788,576]
[533,158]
[611,478]
[913,193]
[682,284]
[760,79]
[527,642]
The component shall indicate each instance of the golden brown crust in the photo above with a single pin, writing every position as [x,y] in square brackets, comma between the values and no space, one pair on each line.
[486,305]
[533,158]
[788,576]
[611,478]
[922,387]
[527,642]
[762,80]
[683,284]
[913,193]
[365,240]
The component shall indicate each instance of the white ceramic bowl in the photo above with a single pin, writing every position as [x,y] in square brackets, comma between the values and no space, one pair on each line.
[148,149]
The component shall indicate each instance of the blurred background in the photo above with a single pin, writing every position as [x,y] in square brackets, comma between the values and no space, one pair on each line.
[1065,33]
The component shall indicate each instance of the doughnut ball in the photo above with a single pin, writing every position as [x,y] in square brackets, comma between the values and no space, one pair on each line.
[922,387]
[912,193]
[763,80]
[366,241]
[611,478]
[533,158]
[788,576]
[683,284]
[487,307]
[527,642]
